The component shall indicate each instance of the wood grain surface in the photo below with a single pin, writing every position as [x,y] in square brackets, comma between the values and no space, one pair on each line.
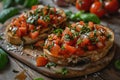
[108,73]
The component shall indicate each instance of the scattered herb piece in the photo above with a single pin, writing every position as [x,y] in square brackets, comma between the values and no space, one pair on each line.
[117,64]
[108,36]
[58,31]
[1,38]
[63,71]
[84,30]
[15,71]
[48,65]
[50,46]
[79,41]
[67,37]
[38,79]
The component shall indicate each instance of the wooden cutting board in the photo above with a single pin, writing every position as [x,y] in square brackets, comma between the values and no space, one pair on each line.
[27,55]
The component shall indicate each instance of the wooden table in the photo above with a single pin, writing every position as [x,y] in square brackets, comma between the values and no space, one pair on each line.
[15,67]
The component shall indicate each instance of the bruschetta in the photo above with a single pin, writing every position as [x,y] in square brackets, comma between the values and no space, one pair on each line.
[34,25]
[81,41]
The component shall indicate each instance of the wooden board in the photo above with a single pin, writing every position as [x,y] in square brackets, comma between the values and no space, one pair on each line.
[27,55]
[108,73]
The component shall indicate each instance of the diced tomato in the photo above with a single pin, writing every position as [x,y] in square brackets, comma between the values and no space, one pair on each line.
[55,50]
[78,28]
[80,52]
[91,47]
[91,25]
[85,42]
[34,7]
[34,35]
[42,22]
[73,25]
[17,23]
[67,31]
[39,43]
[51,16]
[31,27]
[22,18]
[23,30]
[41,61]
[23,24]
[100,45]
[102,38]
[65,53]
[70,49]
[82,23]
[18,32]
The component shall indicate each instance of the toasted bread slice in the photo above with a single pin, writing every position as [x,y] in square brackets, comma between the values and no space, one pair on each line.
[14,39]
[92,56]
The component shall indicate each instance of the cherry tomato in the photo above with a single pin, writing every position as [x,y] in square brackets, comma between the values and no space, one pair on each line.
[111,6]
[83,4]
[98,9]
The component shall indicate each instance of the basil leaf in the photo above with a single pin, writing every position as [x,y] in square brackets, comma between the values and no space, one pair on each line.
[117,64]
[8,3]
[90,17]
[7,13]
[30,3]
[3,59]
[39,79]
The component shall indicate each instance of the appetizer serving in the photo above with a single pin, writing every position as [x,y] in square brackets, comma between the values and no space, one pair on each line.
[76,48]
[35,24]
[80,42]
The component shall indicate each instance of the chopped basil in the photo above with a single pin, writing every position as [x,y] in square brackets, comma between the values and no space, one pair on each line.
[63,71]
[32,19]
[84,30]
[50,46]
[1,38]
[94,40]
[75,34]
[67,37]
[58,31]
[79,41]
[62,47]
[108,36]
[48,65]
[46,18]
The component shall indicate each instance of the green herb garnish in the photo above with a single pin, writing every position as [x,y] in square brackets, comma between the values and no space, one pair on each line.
[67,37]
[38,79]
[84,30]
[63,71]
[50,46]
[108,36]
[50,64]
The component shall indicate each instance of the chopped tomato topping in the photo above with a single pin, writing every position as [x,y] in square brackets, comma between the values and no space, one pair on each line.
[34,34]
[85,42]
[34,7]
[82,23]
[17,23]
[41,61]
[23,30]
[70,49]
[31,27]
[18,32]
[42,22]
[55,50]
[67,31]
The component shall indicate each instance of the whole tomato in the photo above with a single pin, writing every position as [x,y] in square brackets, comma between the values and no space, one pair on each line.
[111,6]
[83,4]
[98,8]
